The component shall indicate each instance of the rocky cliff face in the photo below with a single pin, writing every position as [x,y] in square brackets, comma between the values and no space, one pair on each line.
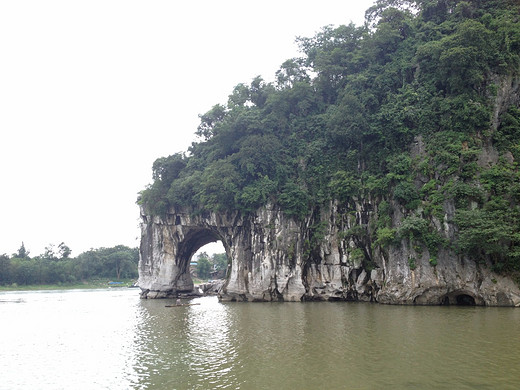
[328,256]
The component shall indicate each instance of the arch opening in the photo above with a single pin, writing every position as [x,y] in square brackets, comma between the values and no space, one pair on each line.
[210,262]
[202,256]
[193,241]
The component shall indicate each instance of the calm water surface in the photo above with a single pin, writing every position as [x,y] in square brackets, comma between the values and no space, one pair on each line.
[110,339]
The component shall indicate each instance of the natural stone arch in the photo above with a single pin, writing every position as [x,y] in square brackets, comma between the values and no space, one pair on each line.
[166,252]
[259,269]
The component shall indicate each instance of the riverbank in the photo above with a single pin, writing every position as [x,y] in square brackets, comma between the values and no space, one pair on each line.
[84,285]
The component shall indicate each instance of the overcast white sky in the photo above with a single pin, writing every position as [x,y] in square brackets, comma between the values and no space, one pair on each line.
[92,92]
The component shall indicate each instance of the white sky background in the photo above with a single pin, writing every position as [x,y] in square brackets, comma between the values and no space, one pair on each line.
[92,92]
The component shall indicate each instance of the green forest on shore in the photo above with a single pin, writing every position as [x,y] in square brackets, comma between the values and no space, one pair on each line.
[56,267]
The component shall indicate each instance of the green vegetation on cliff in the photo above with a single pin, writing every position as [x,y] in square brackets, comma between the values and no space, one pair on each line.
[418,109]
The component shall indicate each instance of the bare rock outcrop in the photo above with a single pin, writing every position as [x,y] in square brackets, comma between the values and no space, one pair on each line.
[327,256]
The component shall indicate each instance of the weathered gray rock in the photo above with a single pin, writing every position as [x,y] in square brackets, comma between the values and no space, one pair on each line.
[272,257]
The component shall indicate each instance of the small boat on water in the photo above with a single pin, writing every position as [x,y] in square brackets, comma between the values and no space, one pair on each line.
[183,304]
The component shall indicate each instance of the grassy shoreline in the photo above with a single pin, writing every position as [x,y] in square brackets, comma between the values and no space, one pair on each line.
[86,285]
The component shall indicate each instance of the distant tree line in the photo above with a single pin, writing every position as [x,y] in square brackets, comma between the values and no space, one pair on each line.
[211,267]
[56,265]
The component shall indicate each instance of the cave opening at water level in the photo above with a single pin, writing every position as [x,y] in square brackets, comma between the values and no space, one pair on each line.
[458,300]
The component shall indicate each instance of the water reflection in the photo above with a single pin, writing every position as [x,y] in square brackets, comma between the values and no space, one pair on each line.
[114,340]
[185,347]
[212,351]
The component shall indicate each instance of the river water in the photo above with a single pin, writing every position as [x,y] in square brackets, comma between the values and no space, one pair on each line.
[110,339]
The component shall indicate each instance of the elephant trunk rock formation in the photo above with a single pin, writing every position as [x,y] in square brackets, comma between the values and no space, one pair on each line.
[272,257]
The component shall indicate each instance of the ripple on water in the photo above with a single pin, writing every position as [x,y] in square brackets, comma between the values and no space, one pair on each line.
[114,340]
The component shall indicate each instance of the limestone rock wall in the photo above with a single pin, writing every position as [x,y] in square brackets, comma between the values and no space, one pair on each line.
[328,256]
